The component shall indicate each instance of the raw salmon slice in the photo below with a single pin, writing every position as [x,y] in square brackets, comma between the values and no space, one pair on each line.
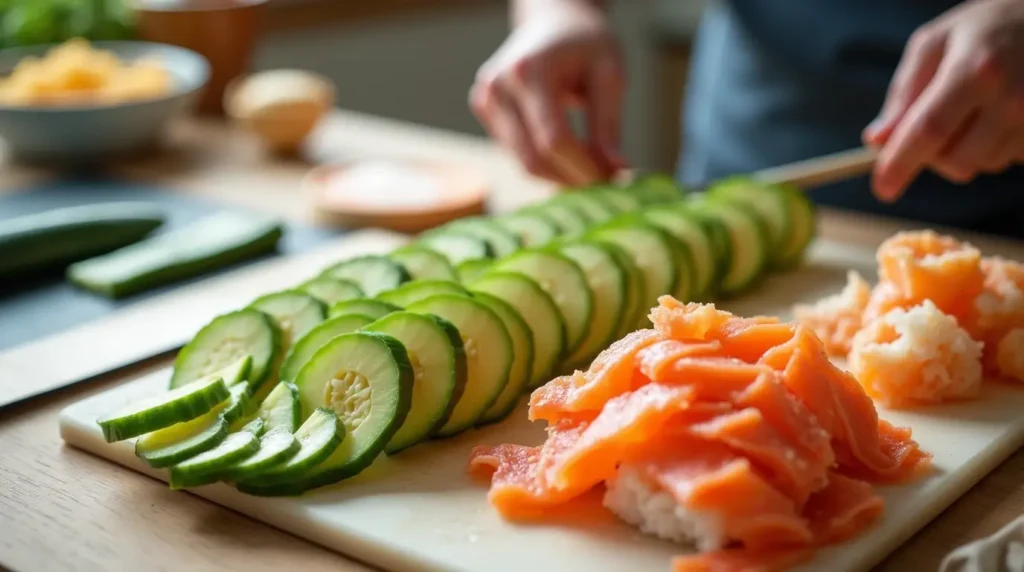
[839,403]
[843,509]
[687,322]
[924,265]
[609,375]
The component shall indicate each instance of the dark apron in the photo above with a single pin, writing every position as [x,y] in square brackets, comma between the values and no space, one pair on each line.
[780,81]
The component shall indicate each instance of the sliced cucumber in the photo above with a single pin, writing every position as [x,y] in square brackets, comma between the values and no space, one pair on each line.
[652,250]
[368,307]
[718,235]
[803,224]
[457,246]
[424,263]
[606,279]
[749,245]
[164,410]
[657,188]
[688,230]
[634,309]
[257,427]
[595,210]
[319,437]
[373,273]
[501,241]
[771,206]
[170,445]
[281,410]
[294,312]
[539,312]
[275,448]
[315,339]
[532,228]
[202,469]
[469,270]
[225,340]
[366,378]
[439,367]
[522,361]
[412,292]
[489,356]
[570,220]
[564,281]
[332,290]
[620,200]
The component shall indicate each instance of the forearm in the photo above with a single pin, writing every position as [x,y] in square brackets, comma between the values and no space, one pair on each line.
[524,9]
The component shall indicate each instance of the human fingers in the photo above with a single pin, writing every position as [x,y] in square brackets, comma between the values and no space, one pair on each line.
[975,151]
[501,119]
[961,85]
[604,90]
[920,61]
[534,88]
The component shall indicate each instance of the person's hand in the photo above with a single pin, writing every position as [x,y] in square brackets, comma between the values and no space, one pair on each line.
[956,102]
[561,56]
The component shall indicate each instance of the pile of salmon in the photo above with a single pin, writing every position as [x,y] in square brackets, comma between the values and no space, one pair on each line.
[761,447]
[940,320]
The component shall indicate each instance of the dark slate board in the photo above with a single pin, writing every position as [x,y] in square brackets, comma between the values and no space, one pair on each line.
[49,304]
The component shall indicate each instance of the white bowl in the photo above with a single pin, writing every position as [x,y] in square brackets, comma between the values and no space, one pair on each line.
[83,132]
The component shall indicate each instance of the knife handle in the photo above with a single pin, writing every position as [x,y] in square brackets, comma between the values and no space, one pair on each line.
[821,170]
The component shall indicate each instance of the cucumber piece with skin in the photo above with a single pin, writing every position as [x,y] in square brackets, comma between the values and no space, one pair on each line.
[457,246]
[276,446]
[319,437]
[170,445]
[620,200]
[470,270]
[440,372]
[532,228]
[412,292]
[570,221]
[539,312]
[689,231]
[634,309]
[522,361]
[607,281]
[211,243]
[164,410]
[367,379]
[368,307]
[315,339]
[203,468]
[501,241]
[225,340]
[50,240]
[772,207]
[718,236]
[651,249]
[594,209]
[374,273]
[422,263]
[332,290]
[295,313]
[748,241]
[281,409]
[654,188]
[803,221]
[489,355]
[564,281]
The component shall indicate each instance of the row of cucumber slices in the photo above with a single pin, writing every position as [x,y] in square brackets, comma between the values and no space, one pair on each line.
[308,386]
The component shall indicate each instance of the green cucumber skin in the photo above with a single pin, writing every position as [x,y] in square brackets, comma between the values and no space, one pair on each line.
[370,307]
[470,270]
[461,369]
[439,268]
[289,472]
[197,471]
[53,239]
[347,322]
[174,271]
[168,414]
[258,372]
[499,411]
[412,292]
[265,408]
[399,275]
[332,290]
[252,467]
[190,447]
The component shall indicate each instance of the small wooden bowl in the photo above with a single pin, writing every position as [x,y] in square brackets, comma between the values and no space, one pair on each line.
[405,196]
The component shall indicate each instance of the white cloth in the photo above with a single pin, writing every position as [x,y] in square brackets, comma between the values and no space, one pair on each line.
[1000,552]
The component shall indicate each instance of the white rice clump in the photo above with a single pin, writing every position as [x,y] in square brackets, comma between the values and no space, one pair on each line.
[931,359]
[656,512]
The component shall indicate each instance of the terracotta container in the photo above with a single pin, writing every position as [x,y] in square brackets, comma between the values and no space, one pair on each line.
[225,32]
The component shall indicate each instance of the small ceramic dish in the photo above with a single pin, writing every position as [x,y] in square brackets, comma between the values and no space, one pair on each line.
[406,196]
[87,132]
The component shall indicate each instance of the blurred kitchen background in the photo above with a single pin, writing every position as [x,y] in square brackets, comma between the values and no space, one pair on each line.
[412,60]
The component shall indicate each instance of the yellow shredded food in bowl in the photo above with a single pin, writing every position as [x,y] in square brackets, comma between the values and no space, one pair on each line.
[76,73]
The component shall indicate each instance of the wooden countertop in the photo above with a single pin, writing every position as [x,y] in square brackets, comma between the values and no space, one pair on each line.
[62,509]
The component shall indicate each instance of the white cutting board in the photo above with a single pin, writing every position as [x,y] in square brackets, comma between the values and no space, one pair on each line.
[421,512]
